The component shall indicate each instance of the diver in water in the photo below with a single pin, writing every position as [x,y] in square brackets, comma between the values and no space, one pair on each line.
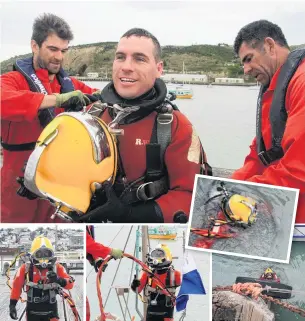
[160,301]
[270,275]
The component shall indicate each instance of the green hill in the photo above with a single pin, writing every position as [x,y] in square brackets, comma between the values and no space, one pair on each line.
[97,57]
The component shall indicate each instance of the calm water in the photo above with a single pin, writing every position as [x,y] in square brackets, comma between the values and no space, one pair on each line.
[269,237]
[198,305]
[226,269]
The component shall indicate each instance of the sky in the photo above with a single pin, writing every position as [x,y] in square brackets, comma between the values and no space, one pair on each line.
[172,22]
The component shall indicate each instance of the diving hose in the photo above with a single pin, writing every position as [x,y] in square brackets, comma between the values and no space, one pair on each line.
[145,268]
[61,292]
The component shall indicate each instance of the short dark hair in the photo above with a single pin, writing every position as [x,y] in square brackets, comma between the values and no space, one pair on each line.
[139,32]
[255,33]
[47,24]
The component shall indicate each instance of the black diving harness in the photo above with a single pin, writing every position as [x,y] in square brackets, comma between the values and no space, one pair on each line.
[23,256]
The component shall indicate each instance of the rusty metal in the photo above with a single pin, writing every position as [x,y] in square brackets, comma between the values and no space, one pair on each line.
[284,305]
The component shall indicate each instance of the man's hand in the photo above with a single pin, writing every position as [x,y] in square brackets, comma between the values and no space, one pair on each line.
[135,283]
[13,311]
[116,253]
[72,101]
[113,210]
[98,262]
[53,278]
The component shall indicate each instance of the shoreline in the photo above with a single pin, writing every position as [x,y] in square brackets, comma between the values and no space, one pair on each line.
[176,82]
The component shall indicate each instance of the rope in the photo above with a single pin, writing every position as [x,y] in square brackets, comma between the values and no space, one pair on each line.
[183,315]
[92,269]
[116,272]
[247,290]
[145,268]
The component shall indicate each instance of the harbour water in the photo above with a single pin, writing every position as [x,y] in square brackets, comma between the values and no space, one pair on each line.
[116,236]
[269,237]
[227,268]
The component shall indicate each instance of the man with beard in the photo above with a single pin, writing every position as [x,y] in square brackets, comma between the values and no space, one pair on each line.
[32,95]
[277,155]
[159,151]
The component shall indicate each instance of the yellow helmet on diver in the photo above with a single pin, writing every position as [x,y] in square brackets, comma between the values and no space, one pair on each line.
[42,252]
[160,257]
[74,155]
[240,209]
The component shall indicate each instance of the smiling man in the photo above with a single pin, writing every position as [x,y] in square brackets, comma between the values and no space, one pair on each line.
[277,155]
[159,152]
[31,96]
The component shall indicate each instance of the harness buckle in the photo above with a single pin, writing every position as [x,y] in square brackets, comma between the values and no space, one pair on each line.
[36,299]
[264,158]
[165,119]
[141,193]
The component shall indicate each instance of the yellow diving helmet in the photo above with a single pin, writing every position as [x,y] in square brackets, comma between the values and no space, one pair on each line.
[42,252]
[268,274]
[74,155]
[240,209]
[160,257]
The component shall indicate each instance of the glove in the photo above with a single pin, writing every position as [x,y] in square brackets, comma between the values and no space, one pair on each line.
[23,191]
[53,278]
[180,217]
[98,262]
[116,253]
[135,283]
[72,101]
[113,210]
[13,311]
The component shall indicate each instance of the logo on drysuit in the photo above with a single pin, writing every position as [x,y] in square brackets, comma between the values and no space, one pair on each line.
[141,142]
[39,84]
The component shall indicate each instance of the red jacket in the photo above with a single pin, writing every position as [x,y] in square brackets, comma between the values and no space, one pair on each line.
[289,171]
[96,249]
[154,283]
[181,159]
[20,124]
[38,275]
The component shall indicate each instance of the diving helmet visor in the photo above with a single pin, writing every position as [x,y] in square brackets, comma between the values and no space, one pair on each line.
[43,253]
[157,254]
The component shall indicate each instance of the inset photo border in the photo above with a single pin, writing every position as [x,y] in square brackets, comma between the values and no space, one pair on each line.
[241,218]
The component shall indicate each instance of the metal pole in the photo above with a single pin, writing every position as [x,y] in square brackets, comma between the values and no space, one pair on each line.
[137,254]
[144,255]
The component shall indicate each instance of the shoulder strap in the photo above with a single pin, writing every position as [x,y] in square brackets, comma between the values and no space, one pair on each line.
[278,112]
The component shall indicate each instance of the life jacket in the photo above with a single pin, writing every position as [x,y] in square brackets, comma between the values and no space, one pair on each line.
[155,180]
[157,294]
[25,67]
[39,292]
[278,111]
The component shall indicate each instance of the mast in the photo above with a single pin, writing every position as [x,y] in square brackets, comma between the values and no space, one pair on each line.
[144,255]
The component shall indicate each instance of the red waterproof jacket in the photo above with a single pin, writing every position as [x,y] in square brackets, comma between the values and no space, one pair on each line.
[20,124]
[96,249]
[181,159]
[289,171]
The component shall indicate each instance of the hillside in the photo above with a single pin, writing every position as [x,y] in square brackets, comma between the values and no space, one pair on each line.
[97,57]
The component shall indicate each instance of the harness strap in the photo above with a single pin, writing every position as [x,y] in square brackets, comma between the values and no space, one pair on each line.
[18,147]
[146,191]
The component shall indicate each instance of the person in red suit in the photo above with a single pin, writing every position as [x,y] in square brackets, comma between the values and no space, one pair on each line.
[277,154]
[96,253]
[31,96]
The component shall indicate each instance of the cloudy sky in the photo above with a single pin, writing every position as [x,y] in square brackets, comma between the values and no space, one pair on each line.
[172,22]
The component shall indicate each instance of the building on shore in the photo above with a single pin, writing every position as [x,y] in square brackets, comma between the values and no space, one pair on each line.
[229,80]
[185,78]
